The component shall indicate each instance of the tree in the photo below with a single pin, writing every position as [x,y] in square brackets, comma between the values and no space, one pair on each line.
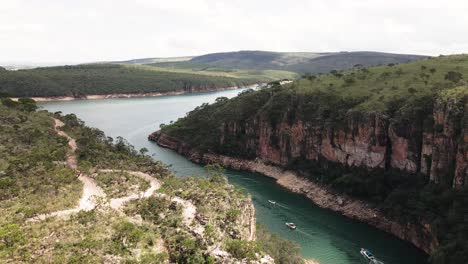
[221,99]
[349,80]
[143,151]
[411,90]
[8,102]
[216,172]
[454,77]
[27,104]
[3,95]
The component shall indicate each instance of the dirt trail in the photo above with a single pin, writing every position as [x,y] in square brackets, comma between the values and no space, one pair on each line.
[92,192]
[117,203]
[90,189]
[71,157]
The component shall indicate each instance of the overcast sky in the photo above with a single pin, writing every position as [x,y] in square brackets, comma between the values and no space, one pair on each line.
[67,31]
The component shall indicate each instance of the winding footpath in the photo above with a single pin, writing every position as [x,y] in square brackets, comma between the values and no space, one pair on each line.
[92,193]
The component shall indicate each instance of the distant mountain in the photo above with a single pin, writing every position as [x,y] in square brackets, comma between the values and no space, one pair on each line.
[152,60]
[298,62]
[303,62]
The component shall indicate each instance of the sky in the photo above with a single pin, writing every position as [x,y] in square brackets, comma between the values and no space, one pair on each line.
[76,31]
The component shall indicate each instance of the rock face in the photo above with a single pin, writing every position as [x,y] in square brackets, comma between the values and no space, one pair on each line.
[433,144]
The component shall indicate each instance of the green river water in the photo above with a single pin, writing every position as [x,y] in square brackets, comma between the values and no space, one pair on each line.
[323,235]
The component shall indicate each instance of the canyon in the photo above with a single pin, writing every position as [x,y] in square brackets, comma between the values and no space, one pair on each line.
[433,144]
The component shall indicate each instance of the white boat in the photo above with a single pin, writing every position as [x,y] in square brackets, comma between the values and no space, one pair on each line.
[272,202]
[291,225]
[367,254]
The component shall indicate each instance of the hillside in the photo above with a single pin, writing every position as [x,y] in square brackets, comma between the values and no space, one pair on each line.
[302,62]
[394,136]
[181,74]
[69,194]
[297,62]
[112,79]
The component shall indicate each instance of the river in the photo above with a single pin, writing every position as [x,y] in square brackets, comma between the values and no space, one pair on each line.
[323,235]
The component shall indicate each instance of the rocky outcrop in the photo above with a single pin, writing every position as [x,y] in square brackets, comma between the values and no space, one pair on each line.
[419,235]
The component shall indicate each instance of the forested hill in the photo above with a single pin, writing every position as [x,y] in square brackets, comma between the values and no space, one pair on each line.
[190,74]
[395,136]
[303,62]
[111,79]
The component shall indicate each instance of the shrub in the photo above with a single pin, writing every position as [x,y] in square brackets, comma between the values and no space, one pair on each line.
[454,77]
[241,249]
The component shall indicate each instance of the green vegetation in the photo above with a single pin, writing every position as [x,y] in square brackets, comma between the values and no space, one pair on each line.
[399,91]
[183,74]
[81,80]
[203,69]
[33,176]
[283,251]
[302,62]
[34,180]
[405,95]
[119,184]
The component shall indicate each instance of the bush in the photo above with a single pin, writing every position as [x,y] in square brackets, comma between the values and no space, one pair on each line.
[454,77]
[127,234]
[241,249]
[282,250]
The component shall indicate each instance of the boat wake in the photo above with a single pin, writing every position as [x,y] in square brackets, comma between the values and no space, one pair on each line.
[283,206]
[305,233]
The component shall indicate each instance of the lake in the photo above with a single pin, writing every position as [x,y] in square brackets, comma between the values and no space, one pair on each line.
[323,235]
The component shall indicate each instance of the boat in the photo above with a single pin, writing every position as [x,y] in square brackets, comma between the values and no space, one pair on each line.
[272,202]
[367,254]
[291,225]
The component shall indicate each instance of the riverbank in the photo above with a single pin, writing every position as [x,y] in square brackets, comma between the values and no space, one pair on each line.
[133,95]
[420,235]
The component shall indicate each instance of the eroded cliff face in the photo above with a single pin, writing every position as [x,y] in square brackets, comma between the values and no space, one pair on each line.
[434,145]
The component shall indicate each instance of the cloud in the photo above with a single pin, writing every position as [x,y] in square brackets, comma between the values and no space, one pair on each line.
[91,30]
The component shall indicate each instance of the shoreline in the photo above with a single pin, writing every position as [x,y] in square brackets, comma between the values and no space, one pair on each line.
[136,95]
[419,235]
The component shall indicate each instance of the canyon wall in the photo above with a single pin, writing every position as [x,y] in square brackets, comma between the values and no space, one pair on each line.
[435,145]
[419,235]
